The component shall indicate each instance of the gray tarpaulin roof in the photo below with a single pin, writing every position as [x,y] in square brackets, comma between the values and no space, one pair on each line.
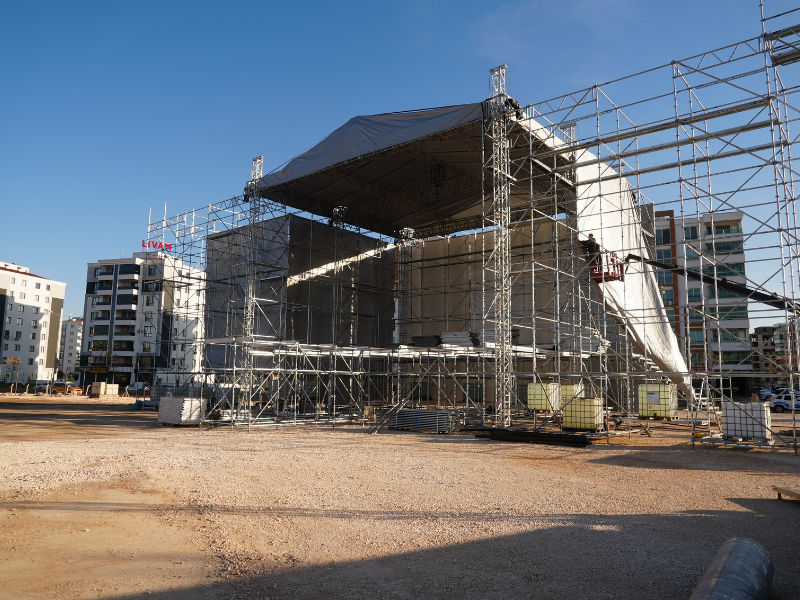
[365,135]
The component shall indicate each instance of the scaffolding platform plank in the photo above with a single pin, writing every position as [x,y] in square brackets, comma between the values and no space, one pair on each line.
[792,491]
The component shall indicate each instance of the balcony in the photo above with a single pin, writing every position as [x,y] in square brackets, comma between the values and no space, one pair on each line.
[99,330]
[128,271]
[123,346]
[104,275]
[124,332]
[127,300]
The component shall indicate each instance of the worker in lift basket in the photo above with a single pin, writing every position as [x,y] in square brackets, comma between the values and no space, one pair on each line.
[592,249]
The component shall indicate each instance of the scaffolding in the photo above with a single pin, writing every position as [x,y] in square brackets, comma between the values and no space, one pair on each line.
[478,292]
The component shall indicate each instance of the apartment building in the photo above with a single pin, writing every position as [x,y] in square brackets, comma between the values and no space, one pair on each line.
[143,319]
[70,346]
[718,323]
[31,308]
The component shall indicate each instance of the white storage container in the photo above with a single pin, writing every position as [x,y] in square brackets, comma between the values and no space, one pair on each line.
[583,413]
[550,395]
[181,411]
[746,420]
[658,400]
[98,388]
[545,397]
[112,389]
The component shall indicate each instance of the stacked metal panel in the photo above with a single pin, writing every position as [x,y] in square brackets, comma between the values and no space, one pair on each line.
[181,411]
[460,338]
[438,420]
[426,341]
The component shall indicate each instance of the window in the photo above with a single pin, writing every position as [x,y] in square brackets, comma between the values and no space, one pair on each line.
[13,280]
[5,346]
[175,332]
[16,347]
[72,333]
[36,298]
[726,247]
[47,287]
[663,237]
[19,321]
[8,320]
[148,330]
[690,233]
[72,327]
[729,313]
[47,299]
[98,271]
[41,349]
[20,308]
[41,361]
[147,346]
[668,297]
[695,294]
[736,357]
[151,270]
[692,254]
[10,307]
[44,324]
[42,337]
[38,285]
[17,335]
[149,315]
[664,255]
[735,335]
[34,324]
[70,354]
[31,348]
[35,310]
[728,270]
[696,337]
[24,283]
[723,229]
[33,336]
[22,296]
[30,361]
[150,301]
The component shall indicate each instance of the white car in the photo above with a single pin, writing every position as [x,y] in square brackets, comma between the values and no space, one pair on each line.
[782,402]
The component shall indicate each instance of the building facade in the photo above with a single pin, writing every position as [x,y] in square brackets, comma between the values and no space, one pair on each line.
[712,325]
[143,321]
[31,308]
[70,346]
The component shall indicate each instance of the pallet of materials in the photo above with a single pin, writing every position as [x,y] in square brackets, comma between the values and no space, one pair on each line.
[438,420]
[181,411]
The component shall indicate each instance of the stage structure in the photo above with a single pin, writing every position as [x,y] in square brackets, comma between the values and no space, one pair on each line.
[472,259]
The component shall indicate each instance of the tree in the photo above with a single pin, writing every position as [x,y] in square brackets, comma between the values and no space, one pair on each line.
[14,362]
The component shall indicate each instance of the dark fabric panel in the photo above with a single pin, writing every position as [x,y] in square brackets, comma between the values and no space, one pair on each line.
[53,331]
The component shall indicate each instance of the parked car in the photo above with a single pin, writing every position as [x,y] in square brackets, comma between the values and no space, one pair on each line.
[66,387]
[138,388]
[782,402]
[764,393]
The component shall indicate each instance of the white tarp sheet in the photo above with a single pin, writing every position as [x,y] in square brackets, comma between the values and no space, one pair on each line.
[607,210]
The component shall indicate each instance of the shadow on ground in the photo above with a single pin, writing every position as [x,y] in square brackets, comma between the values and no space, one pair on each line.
[572,556]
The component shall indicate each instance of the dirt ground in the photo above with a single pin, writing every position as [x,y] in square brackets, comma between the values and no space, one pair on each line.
[97,501]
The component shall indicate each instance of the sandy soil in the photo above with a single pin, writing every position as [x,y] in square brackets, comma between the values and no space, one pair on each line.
[97,501]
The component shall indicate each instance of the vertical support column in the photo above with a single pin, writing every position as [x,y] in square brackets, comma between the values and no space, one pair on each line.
[254,216]
[499,218]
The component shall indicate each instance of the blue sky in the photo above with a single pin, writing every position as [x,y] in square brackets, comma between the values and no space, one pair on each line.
[108,109]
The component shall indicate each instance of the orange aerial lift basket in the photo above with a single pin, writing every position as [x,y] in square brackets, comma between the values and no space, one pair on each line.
[607,268]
